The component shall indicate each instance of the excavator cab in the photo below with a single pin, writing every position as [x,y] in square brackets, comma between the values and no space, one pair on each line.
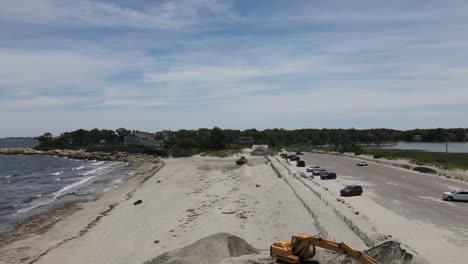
[308,250]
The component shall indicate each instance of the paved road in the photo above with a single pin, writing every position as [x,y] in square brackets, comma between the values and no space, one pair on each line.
[413,195]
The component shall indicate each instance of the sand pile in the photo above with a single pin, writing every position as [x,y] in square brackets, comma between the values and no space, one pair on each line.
[223,248]
[209,250]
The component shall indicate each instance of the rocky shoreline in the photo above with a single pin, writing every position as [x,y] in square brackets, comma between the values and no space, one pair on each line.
[80,154]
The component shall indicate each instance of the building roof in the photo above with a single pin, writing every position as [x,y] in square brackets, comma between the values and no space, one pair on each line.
[142,135]
[260,148]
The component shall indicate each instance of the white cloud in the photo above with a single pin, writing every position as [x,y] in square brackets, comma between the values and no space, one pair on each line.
[43,101]
[27,69]
[86,13]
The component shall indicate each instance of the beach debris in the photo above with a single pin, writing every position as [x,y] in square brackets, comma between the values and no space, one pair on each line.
[230,212]
[158,181]
[257,185]
[156,241]
[137,202]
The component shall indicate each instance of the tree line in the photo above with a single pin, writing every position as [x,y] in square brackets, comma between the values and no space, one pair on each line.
[216,138]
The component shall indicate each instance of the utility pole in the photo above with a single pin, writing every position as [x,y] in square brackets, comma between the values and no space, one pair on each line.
[446,152]
[275,145]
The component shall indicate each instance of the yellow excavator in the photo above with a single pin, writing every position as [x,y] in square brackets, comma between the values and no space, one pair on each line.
[301,248]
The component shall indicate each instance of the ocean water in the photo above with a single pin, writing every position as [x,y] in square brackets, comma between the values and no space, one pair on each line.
[32,183]
[453,147]
[18,142]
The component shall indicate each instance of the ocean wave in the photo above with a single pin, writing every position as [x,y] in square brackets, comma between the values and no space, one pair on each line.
[58,179]
[35,205]
[98,163]
[78,168]
[56,173]
[8,176]
[95,170]
[70,186]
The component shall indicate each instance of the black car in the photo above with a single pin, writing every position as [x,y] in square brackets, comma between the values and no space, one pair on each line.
[299,153]
[327,175]
[296,158]
[283,155]
[290,156]
[300,163]
[351,190]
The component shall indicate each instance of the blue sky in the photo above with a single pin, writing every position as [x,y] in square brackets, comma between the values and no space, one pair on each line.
[153,65]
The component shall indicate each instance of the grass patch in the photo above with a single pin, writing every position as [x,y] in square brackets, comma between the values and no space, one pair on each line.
[221,153]
[440,159]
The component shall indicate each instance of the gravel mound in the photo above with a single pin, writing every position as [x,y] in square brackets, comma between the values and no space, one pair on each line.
[391,252]
[209,250]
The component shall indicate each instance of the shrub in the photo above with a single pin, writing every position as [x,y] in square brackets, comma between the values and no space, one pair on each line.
[425,170]
[404,166]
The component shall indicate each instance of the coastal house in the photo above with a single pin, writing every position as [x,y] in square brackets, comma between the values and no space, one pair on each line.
[260,150]
[417,138]
[164,135]
[143,139]
[246,142]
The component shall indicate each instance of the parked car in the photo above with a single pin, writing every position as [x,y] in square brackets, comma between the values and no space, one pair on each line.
[327,175]
[300,163]
[361,163]
[290,156]
[309,169]
[461,195]
[299,153]
[351,190]
[316,170]
[283,155]
[296,158]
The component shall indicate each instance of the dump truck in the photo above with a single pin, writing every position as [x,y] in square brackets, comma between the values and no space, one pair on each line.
[301,248]
[241,161]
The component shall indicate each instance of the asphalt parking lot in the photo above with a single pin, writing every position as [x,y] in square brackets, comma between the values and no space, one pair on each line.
[413,195]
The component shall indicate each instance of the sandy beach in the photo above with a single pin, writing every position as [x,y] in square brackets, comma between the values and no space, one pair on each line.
[187,199]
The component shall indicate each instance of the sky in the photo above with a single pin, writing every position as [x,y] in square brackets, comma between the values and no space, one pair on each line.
[187,64]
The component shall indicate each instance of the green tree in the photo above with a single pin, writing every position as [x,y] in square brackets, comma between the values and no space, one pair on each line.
[217,138]
[121,133]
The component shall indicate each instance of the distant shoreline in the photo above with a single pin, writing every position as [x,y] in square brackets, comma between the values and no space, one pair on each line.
[76,154]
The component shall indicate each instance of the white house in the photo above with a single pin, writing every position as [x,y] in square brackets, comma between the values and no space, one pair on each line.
[143,139]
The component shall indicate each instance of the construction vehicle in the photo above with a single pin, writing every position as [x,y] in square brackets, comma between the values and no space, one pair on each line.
[241,161]
[301,248]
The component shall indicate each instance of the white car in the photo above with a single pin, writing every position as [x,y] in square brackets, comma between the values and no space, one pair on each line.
[461,195]
[310,169]
[316,170]
[361,163]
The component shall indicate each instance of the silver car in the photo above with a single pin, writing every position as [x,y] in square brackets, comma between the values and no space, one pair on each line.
[461,195]
[316,170]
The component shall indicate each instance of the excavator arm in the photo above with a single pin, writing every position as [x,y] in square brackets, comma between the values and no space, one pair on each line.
[298,249]
[302,249]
